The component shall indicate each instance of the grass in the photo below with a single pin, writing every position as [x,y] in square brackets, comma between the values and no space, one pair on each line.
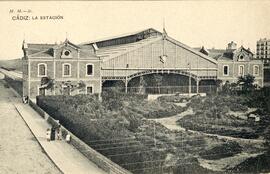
[128,118]
[224,150]
[212,116]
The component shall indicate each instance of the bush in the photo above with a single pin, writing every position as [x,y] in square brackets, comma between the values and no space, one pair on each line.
[222,151]
[173,98]
[113,100]
[109,132]
[258,164]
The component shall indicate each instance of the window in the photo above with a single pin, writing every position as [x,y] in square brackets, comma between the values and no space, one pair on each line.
[89,90]
[225,70]
[241,57]
[66,54]
[42,70]
[255,70]
[241,71]
[89,69]
[66,69]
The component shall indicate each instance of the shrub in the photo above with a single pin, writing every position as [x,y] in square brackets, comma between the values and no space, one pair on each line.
[109,132]
[222,151]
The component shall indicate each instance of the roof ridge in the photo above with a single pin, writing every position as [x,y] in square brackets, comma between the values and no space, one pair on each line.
[117,36]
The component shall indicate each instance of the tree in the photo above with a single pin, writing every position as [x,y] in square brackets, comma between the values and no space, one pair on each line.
[47,83]
[218,84]
[246,82]
[226,87]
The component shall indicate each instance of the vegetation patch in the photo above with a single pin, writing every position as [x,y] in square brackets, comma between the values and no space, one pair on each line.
[258,164]
[212,116]
[119,128]
[222,151]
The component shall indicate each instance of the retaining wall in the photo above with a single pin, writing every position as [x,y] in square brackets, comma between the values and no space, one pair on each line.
[15,84]
[94,156]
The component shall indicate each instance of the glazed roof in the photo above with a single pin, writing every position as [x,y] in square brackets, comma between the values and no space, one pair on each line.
[122,36]
[107,53]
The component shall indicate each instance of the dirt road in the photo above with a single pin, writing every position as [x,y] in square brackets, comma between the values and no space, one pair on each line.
[19,151]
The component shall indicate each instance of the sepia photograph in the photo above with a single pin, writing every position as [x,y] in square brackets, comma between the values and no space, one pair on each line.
[135,87]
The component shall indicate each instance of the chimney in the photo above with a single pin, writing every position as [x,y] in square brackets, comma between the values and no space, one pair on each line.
[25,48]
[232,46]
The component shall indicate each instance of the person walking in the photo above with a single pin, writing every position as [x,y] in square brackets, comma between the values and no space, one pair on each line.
[48,134]
[68,138]
[59,133]
[53,134]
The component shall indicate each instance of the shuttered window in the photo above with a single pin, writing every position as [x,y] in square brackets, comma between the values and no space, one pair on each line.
[42,69]
[66,70]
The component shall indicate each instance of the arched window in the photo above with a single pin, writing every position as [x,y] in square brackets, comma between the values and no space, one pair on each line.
[66,69]
[241,70]
[42,70]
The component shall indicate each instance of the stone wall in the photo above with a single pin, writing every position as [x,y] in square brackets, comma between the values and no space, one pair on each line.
[94,156]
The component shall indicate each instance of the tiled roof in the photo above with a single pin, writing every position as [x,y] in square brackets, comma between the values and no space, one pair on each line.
[36,48]
[45,53]
[219,54]
[226,54]
[87,54]
[46,50]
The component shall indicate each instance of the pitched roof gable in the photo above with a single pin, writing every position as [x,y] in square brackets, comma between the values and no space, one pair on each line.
[67,42]
[192,50]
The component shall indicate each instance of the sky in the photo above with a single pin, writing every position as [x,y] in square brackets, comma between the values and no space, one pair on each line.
[194,23]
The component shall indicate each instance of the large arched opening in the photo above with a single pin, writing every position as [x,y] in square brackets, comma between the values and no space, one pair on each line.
[161,83]
[208,86]
[118,85]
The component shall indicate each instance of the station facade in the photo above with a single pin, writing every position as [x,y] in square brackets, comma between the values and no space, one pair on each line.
[69,69]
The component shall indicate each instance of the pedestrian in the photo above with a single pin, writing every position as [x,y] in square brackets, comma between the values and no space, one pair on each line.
[48,134]
[26,99]
[59,133]
[53,134]
[68,138]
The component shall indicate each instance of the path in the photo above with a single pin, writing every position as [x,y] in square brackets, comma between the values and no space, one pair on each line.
[64,155]
[19,151]
[171,123]
[226,163]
